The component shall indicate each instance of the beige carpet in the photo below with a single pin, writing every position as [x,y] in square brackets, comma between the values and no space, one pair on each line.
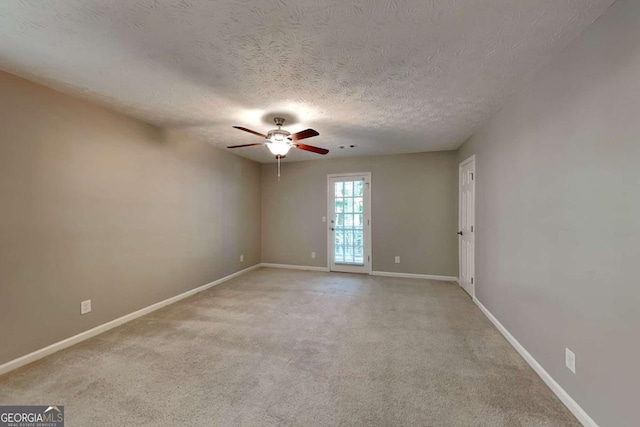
[291,348]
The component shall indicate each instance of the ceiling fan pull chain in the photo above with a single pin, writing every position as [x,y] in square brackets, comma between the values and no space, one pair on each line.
[278,168]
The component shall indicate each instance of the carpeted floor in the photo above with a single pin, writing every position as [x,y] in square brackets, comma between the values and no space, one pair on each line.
[293,348]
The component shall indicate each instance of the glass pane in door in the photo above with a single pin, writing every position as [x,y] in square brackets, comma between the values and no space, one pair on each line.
[348,211]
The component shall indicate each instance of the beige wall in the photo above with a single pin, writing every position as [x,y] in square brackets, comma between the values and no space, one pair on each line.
[95,205]
[414,211]
[558,216]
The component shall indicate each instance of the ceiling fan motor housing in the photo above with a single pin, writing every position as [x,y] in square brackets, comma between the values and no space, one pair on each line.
[278,134]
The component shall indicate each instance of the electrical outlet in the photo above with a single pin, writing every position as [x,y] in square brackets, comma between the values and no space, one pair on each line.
[85,307]
[241,258]
[397,260]
[324,219]
[570,360]
[313,254]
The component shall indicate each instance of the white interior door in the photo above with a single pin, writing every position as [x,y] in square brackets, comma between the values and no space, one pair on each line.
[466,221]
[349,226]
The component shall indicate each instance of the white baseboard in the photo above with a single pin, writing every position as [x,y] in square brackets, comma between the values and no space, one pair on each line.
[568,401]
[294,267]
[60,345]
[414,276]
[373,273]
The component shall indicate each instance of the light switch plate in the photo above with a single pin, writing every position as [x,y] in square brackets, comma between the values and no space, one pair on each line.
[570,360]
[85,307]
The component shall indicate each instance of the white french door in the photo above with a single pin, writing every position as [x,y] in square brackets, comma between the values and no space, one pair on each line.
[349,226]
[466,221]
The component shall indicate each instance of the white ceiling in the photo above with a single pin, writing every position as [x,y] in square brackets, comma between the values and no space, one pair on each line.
[390,76]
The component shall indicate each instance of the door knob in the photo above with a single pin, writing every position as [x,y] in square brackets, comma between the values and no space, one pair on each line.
[460,233]
[332,229]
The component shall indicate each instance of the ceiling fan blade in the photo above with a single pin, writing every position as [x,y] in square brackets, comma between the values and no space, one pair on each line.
[308,133]
[311,148]
[244,145]
[251,131]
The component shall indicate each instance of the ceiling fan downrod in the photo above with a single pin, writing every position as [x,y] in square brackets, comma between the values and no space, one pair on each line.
[279,121]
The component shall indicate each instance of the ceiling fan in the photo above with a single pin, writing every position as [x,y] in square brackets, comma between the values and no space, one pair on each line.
[279,141]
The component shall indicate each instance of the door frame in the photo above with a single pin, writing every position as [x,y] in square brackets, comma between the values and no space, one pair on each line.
[367,218]
[473,222]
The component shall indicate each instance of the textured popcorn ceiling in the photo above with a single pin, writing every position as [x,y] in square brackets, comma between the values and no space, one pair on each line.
[390,76]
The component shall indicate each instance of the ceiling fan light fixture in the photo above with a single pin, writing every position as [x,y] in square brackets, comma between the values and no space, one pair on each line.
[278,148]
